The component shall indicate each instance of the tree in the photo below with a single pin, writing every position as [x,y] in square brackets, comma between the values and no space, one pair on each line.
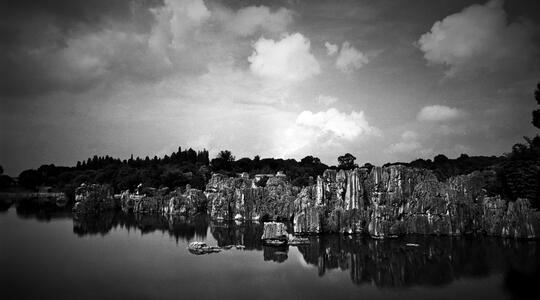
[310,160]
[226,155]
[536,112]
[30,178]
[346,162]
[439,159]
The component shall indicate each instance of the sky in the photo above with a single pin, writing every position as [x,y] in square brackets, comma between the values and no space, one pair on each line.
[386,80]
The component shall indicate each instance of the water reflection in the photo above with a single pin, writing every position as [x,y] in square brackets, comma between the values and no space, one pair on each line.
[390,263]
[178,227]
[247,234]
[436,261]
[28,209]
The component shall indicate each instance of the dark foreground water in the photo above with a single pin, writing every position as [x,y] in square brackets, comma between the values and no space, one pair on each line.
[44,254]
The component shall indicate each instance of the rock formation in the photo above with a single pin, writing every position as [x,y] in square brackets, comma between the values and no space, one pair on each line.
[274,231]
[93,199]
[187,203]
[397,200]
[241,199]
[382,202]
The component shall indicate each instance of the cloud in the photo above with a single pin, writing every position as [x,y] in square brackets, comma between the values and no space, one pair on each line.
[408,143]
[341,125]
[176,21]
[404,147]
[324,131]
[331,49]
[439,113]
[326,100]
[479,38]
[287,59]
[247,21]
[142,41]
[350,59]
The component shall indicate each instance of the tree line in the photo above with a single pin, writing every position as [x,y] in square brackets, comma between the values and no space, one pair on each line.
[517,172]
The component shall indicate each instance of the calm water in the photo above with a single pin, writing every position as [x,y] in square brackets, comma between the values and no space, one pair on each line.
[45,254]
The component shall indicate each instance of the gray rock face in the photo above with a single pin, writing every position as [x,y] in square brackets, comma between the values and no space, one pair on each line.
[399,200]
[93,199]
[240,198]
[274,231]
[188,203]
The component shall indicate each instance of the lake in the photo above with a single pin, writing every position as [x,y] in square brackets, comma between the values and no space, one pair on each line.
[45,254]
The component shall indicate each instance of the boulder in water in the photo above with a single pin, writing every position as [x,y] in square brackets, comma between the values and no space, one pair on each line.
[274,231]
[200,248]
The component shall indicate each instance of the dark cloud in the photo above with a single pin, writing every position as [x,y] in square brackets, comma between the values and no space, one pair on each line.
[33,35]
[66,13]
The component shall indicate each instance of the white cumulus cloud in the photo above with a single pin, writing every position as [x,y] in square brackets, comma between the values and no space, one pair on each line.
[287,59]
[249,20]
[479,38]
[329,130]
[439,113]
[342,125]
[331,49]
[350,59]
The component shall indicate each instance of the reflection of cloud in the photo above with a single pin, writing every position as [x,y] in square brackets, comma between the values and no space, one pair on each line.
[287,59]
[478,38]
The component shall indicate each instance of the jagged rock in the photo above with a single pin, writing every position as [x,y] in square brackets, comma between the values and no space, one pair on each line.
[306,218]
[148,204]
[93,199]
[520,220]
[274,231]
[278,201]
[381,201]
[188,203]
[200,248]
[295,241]
[241,199]
[396,200]
[126,201]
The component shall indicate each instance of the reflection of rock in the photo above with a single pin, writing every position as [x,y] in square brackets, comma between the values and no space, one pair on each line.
[247,234]
[58,199]
[431,261]
[29,208]
[275,253]
[397,200]
[5,205]
[86,224]
[178,227]
[93,199]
